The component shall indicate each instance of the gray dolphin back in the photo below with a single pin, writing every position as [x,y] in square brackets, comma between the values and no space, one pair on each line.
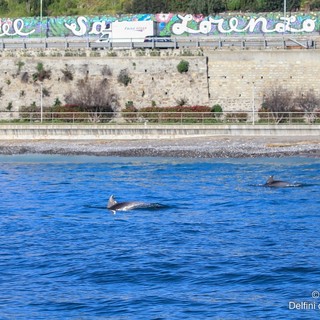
[111,202]
[276,183]
[114,206]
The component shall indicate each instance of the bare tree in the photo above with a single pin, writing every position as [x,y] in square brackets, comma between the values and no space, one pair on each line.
[307,102]
[94,97]
[278,101]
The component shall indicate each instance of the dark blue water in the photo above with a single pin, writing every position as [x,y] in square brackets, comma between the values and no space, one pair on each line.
[224,247]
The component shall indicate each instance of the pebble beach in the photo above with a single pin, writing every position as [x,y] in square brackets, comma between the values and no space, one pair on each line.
[193,147]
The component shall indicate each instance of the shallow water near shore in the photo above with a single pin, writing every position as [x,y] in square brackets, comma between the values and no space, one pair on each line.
[222,247]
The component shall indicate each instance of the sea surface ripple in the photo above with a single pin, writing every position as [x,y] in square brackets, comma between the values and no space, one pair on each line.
[222,247]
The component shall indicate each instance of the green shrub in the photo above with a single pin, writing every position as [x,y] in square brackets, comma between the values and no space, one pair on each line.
[111,53]
[41,73]
[69,113]
[124,77]
[9,106]
[106,71]
[19,64]
[217,111]
[29,112]
[175,114]
[264,114]
[66,108]
[181,102]
[129,104]
[57,103]
[155,53]
[236,117]
[217,108]
[67,74]
[317,115]
[45,92]
[25,77]
[4,7]
[130,112]
[183,66]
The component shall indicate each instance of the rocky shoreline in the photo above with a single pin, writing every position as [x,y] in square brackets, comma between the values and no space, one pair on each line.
[201,147]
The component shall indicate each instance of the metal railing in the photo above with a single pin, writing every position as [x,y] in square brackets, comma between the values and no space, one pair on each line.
[158,118]
[311,41]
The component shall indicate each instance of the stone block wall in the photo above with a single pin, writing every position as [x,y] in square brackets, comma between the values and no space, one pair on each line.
[235,79]
[239,79]
[155,80]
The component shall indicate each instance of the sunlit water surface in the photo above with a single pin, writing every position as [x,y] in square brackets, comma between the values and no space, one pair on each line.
[223,246]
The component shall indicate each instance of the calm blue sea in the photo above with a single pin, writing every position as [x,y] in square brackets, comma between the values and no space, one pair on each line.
[223,247]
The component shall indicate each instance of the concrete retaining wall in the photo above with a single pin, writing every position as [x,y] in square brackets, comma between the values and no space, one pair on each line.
[239,79]
[86,132]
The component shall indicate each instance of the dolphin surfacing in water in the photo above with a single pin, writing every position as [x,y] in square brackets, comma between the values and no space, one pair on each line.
[115,206]
[278,183]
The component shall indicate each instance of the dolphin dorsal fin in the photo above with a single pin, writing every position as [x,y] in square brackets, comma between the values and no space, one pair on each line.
[111,202]
[270,179]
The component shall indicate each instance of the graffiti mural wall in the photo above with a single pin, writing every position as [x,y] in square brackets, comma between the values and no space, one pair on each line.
[168,24]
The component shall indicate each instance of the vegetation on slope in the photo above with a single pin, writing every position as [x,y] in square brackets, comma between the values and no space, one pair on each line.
[26,8]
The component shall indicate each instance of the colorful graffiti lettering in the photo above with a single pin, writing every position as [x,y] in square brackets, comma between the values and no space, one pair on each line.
[236,25]
[81,27]
[168,24]
[13,28]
